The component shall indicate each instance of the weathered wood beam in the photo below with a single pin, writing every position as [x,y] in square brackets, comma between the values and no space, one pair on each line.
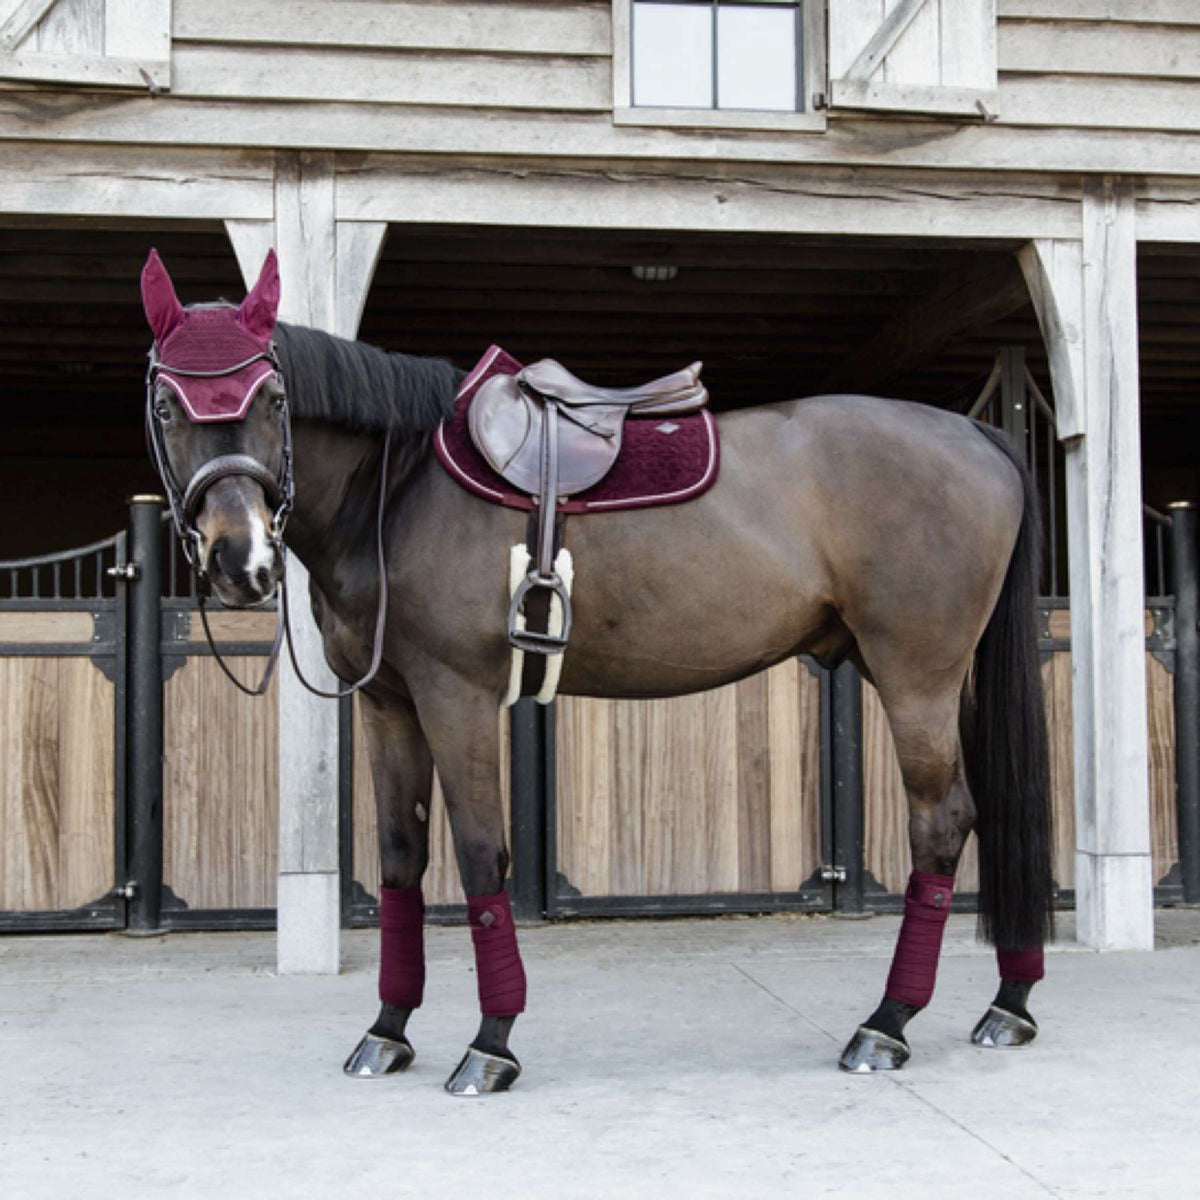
[954,310]
[1085,295]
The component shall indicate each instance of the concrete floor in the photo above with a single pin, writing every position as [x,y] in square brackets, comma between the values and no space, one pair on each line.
[688,1059]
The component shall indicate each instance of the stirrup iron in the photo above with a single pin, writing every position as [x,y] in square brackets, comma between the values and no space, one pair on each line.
[530,640]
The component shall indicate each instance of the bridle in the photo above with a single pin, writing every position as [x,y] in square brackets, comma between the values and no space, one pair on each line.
[186,500]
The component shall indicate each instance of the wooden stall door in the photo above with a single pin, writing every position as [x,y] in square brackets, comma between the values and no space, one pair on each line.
[705,795]
[57,775]
[220,775]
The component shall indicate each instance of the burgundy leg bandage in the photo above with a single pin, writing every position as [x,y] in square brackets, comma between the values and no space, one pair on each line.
[1021,966]
[914,965]
[497,959]
[401,946]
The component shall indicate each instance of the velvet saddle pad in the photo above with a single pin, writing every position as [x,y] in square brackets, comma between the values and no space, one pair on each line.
[663,460]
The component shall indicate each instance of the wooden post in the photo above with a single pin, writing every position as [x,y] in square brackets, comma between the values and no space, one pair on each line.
[322,289]
[1085,294]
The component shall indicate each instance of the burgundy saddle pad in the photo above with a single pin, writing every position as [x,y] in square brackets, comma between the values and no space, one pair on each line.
[662,460]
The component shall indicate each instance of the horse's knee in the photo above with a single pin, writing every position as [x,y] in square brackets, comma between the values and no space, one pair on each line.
[403,854]
[483,865]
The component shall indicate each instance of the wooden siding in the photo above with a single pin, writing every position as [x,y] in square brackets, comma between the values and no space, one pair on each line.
[56,784]
[220,786]
[717,792]
[514,79]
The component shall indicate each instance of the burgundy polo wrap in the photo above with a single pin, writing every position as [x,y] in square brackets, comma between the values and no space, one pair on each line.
[914,965]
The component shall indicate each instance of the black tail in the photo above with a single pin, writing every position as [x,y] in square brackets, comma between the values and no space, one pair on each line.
[1006,750]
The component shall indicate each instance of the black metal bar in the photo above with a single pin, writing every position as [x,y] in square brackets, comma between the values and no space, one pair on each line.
[1187,695]
[550,801]
[703,904]
[346,806]
[1052,528]
[1014,398]
[848,838]
[145,715]
[528,818]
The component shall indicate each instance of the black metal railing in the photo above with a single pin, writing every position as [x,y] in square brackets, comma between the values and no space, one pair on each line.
[85,573]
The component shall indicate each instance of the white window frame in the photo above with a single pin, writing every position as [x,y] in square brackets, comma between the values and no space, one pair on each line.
[813,78]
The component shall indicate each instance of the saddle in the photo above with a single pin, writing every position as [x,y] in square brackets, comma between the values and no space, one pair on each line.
[511,415]
[551,435]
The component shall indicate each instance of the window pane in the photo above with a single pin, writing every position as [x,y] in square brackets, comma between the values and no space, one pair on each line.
[756,58]
[672,55]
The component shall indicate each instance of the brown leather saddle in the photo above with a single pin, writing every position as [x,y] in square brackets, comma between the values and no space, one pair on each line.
[551,435]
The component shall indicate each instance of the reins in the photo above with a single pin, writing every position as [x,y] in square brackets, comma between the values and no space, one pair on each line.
[381,607]
[279,490]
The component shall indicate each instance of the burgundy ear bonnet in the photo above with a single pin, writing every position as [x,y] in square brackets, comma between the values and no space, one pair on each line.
[213,359]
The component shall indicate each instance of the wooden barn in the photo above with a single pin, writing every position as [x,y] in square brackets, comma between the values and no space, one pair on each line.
[986,205]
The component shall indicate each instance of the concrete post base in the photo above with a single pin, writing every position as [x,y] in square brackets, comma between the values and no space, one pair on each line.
[1113,901]
[309,927]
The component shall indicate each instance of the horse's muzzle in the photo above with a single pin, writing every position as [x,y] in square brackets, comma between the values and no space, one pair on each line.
[244,570]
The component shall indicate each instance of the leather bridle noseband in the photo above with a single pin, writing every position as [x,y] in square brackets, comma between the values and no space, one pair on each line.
[279,489]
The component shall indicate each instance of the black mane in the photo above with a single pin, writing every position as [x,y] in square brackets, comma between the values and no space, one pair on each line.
[360,387]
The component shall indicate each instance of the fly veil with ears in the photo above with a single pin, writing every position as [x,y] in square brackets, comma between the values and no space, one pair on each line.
[215,359]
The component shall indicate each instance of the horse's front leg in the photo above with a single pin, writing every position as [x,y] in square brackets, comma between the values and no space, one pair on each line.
[461,721]
[402,770]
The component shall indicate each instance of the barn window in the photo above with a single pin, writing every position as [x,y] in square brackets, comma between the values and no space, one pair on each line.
[719,62]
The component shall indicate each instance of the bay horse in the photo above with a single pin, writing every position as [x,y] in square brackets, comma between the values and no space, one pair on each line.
[902,538]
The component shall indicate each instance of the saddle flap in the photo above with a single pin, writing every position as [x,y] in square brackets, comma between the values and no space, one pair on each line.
[506,426]
[502,422]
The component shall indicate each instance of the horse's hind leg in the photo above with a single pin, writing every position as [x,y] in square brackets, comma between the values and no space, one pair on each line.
[462,723]
[941,813]
[402,770]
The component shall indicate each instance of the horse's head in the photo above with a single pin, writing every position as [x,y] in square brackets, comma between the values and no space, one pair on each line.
[218,427]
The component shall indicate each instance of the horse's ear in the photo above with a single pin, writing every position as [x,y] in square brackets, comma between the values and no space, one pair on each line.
[259,311]
[163,310]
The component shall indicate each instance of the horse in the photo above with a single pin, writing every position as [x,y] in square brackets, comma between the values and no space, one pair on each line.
[899,537]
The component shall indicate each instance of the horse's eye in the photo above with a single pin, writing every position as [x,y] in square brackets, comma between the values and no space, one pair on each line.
[162,410]
[278,402]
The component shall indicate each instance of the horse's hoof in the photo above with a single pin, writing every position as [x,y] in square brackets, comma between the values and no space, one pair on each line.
[374,1057]
[869,1050]
[480,1073]
[999,1027]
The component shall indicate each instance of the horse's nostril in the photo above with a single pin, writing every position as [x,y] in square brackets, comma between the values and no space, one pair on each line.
[262,577]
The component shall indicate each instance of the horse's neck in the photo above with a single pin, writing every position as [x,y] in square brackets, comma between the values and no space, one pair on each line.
[325,458]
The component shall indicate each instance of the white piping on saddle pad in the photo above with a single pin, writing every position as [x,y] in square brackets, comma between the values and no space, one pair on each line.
[518,568]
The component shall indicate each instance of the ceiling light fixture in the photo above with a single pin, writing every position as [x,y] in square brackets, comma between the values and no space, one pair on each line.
[654,272]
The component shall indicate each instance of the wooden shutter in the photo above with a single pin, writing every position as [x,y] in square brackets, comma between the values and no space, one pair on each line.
[935,56]
[107,43]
